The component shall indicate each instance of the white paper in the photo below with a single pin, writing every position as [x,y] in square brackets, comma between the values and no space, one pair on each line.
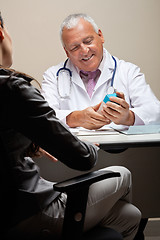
[86,132]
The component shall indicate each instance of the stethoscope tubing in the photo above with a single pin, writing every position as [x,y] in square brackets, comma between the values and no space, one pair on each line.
[64,68]
[115,67]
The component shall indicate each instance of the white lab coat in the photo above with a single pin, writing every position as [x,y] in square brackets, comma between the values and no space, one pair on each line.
[128,79]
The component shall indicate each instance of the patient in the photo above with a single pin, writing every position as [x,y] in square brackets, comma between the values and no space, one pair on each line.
[31,206]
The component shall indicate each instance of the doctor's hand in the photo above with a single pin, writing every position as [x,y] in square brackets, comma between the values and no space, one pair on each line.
[87,118]
[117,110]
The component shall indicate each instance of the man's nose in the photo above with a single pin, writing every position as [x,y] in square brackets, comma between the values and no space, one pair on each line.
[84,48]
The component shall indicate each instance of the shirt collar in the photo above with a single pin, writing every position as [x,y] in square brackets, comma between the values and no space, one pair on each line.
[107,61]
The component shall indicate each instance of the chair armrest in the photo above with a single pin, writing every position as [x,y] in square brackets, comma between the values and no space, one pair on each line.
[77,194]
[84,180]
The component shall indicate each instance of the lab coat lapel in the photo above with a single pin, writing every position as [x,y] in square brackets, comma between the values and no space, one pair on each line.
[107,70]
[75,75]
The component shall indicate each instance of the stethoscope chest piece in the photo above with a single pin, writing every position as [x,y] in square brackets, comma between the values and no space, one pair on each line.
[64,81]
[111,90]
[64,84]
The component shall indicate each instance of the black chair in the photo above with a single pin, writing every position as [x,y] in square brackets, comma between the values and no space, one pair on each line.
[77,194]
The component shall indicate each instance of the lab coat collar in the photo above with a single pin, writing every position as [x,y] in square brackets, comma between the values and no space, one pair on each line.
[75,75]
[106,61]
[106,67]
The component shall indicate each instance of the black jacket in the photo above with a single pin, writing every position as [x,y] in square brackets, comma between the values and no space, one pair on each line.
[25,116]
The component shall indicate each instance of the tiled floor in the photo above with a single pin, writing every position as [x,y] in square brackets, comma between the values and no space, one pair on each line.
[152,230]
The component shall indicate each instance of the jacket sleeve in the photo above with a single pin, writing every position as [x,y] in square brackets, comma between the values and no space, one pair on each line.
[35,119]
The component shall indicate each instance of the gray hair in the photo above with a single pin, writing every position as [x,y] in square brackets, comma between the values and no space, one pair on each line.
[73,19]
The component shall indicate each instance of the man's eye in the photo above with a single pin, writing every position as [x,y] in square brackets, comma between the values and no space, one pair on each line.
[74,48]
[88,41]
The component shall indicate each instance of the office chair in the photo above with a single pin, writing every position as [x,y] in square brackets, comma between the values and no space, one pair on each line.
[77,194]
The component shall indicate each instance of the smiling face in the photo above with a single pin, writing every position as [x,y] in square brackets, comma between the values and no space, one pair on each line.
[83,45]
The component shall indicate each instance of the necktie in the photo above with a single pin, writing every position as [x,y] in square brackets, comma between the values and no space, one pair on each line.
[91,81]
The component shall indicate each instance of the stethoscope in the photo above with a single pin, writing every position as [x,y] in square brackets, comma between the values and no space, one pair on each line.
[64,81]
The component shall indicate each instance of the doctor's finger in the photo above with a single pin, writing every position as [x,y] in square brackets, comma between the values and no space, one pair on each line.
[92,126]
[114,116]
[93,123]
[95,126]
[117,104]
[96,107]
[116,113]
[91,114]
[109,113]
[100,118]
[120,95]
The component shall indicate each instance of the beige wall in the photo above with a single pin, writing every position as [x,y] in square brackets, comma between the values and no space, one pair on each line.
[131,30]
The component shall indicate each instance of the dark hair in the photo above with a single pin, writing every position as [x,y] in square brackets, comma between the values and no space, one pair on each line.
[1,20]
[33,148]
[16,73]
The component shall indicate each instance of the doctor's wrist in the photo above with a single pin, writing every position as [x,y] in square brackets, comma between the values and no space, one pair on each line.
[131,119]
[72,119]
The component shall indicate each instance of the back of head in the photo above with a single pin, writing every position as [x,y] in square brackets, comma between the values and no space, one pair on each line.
[1,20]
[1,26]
[72,20]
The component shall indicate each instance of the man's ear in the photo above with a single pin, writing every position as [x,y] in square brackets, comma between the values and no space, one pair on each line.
[1,34]
[101,35]
[66,52]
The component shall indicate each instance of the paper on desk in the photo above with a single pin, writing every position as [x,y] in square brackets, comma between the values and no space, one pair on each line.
[86,132]
[142,129]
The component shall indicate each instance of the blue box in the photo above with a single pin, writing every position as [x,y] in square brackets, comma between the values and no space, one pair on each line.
[107,97]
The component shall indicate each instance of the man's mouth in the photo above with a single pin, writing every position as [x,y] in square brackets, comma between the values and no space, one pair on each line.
[87,58]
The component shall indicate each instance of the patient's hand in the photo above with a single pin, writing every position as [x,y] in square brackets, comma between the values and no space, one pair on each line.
[42,152]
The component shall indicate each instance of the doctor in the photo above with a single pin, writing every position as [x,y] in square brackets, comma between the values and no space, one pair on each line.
[65,86]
